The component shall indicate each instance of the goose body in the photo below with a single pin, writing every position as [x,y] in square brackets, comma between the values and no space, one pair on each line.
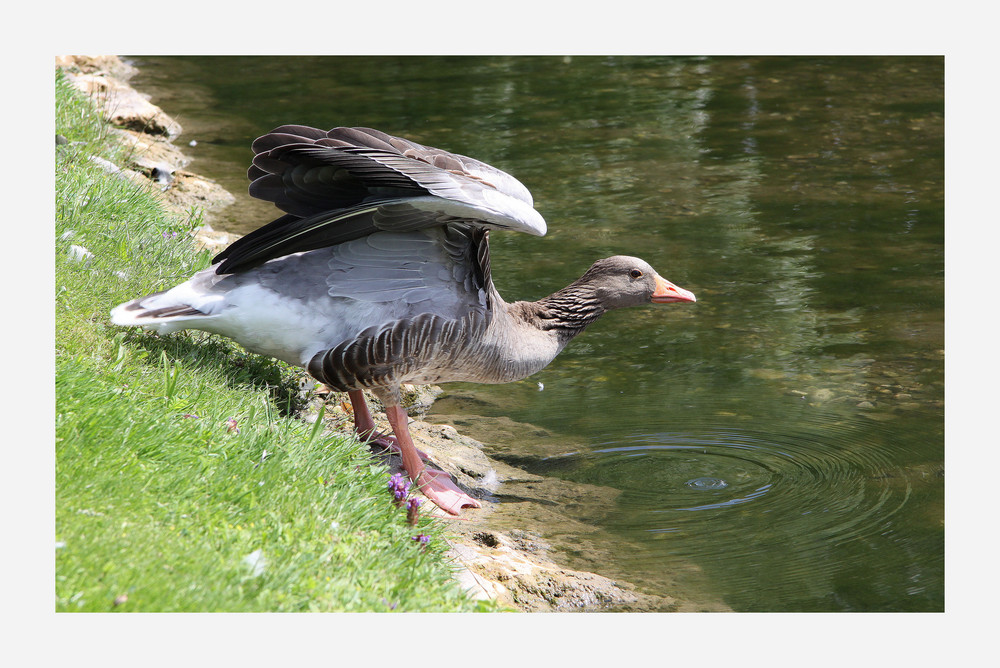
[379,274]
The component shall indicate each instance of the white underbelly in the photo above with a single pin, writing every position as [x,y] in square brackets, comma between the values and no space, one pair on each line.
[288,329]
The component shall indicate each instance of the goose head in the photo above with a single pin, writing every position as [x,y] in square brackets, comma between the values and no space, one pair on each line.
[621,281]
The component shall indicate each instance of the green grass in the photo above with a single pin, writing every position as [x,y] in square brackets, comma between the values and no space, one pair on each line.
[160,504]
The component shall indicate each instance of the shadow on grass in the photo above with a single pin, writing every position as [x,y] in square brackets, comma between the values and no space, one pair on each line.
[242,370]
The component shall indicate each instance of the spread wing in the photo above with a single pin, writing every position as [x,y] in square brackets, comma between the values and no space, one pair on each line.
[347,183]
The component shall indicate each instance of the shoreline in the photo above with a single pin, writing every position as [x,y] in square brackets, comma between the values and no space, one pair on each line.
[499,550]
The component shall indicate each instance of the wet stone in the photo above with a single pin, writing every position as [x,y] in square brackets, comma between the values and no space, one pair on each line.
[821,395]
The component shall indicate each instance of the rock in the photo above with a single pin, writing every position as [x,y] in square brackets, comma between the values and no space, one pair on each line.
[418,398]
[108,65]
[162,175]
[123,106]
[458,455]
[147,133]
[80,254]
[206,237]
[190,190]
[500,567]
[148,151]
[766,374]
[821,395]
[106,165]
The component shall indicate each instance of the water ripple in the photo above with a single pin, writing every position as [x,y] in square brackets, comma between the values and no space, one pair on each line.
[826,484]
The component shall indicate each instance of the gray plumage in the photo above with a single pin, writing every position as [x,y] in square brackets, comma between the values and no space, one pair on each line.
[378,273]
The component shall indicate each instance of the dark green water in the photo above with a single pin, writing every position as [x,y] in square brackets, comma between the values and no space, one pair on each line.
[785,434]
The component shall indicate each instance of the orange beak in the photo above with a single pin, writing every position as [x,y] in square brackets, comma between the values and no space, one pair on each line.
[666,292]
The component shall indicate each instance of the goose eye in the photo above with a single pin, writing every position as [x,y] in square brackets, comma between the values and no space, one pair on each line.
[635,273]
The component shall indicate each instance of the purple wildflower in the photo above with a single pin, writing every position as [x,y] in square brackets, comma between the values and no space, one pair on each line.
[422,538]
[399,487]
[413,511]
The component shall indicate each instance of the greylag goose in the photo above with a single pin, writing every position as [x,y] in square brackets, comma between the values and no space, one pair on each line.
[378,274]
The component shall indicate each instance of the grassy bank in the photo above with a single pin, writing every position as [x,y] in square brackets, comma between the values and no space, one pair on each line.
[182,481]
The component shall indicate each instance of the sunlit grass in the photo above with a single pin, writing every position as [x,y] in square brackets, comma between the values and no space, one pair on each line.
[182,480]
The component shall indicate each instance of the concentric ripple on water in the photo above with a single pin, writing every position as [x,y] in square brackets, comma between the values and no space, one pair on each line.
[778,511]
[787,477]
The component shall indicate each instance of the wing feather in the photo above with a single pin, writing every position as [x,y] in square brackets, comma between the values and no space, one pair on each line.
[345,184]
[343,167]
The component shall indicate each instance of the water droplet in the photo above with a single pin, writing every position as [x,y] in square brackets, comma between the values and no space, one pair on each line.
[707,483]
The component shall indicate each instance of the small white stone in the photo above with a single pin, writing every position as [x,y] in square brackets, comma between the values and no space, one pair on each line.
[106,165]
[256,561]
[80,254]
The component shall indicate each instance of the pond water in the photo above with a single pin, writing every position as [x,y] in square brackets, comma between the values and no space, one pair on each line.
[784,435]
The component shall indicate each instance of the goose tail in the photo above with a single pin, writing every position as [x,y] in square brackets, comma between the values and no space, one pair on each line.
[157,312]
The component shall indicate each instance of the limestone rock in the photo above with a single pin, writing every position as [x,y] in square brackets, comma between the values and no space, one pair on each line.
[147,133]
[122,105]
[110,65]
[498,566]
[188,190]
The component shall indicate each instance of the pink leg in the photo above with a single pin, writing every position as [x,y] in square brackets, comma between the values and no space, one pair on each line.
[435,485]
[364,424]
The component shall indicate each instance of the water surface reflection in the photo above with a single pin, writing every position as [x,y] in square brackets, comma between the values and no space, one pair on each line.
[801,199]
